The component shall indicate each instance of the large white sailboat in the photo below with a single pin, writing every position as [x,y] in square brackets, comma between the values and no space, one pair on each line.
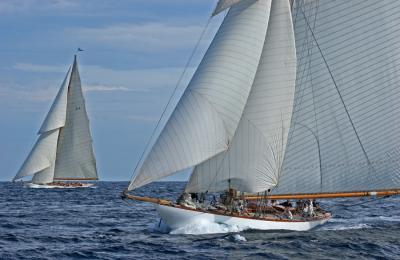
[293,100]
[63,154]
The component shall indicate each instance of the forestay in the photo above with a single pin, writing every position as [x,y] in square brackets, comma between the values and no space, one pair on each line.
[206,117]
[254,159]
[75,157]
[345,132]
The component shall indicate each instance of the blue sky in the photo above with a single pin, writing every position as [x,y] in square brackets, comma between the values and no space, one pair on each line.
[135,52]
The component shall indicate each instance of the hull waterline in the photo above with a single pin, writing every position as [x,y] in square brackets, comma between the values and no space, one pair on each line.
[176,217]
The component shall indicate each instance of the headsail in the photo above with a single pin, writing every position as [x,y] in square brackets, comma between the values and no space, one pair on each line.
[75,157]
[345,135]
[209,111]
[56,117]
[253,161]
[41,159]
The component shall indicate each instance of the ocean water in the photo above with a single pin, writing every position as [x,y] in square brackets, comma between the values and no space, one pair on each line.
[95,223]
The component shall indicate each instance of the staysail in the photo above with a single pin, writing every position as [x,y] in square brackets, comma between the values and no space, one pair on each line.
[254,159]
[75,157]
[345,131]
[206,117]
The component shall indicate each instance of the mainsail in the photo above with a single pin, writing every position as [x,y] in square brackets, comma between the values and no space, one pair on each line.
[345,131]
[67,115]
[75,157]
[254,159]
[206,117]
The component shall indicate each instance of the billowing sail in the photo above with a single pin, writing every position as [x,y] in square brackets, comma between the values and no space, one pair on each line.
[75,158]
[345,131]
[207,115]
[254,159]
[223,5]
[41,158]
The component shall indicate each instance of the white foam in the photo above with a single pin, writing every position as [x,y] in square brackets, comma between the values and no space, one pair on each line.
[390,219]
[239,238]
[346,227]
[204,226]
[160,226]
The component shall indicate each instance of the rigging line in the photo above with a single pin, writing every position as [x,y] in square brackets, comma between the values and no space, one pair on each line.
[310,52]
[173,94]
[337,88]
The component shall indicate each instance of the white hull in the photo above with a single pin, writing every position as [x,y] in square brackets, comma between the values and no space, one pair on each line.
[44,186]
[176,217]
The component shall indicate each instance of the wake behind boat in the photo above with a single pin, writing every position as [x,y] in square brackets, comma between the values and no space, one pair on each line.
[63,154]
[294,100]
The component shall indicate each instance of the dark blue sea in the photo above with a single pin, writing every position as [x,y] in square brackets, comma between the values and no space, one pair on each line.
[95,223]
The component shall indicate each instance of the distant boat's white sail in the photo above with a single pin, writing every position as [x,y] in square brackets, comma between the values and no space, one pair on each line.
[225,4]
[206,117]
[64,148]
[75,158]
[253,161]
[41,158]
[345,132]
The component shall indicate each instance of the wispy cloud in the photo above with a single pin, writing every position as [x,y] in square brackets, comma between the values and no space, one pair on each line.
[33,95]
[104,88]
[12,6]
[39,68]
[141,118]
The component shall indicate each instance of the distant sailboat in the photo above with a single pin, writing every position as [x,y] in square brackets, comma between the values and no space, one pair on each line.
[294,100]
[63,155]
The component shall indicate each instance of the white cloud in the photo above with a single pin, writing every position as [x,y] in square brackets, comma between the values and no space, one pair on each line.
[140,118]
[34,95]
[12,6]
[104,88]
[135,79]
[39,68]
[98,78]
